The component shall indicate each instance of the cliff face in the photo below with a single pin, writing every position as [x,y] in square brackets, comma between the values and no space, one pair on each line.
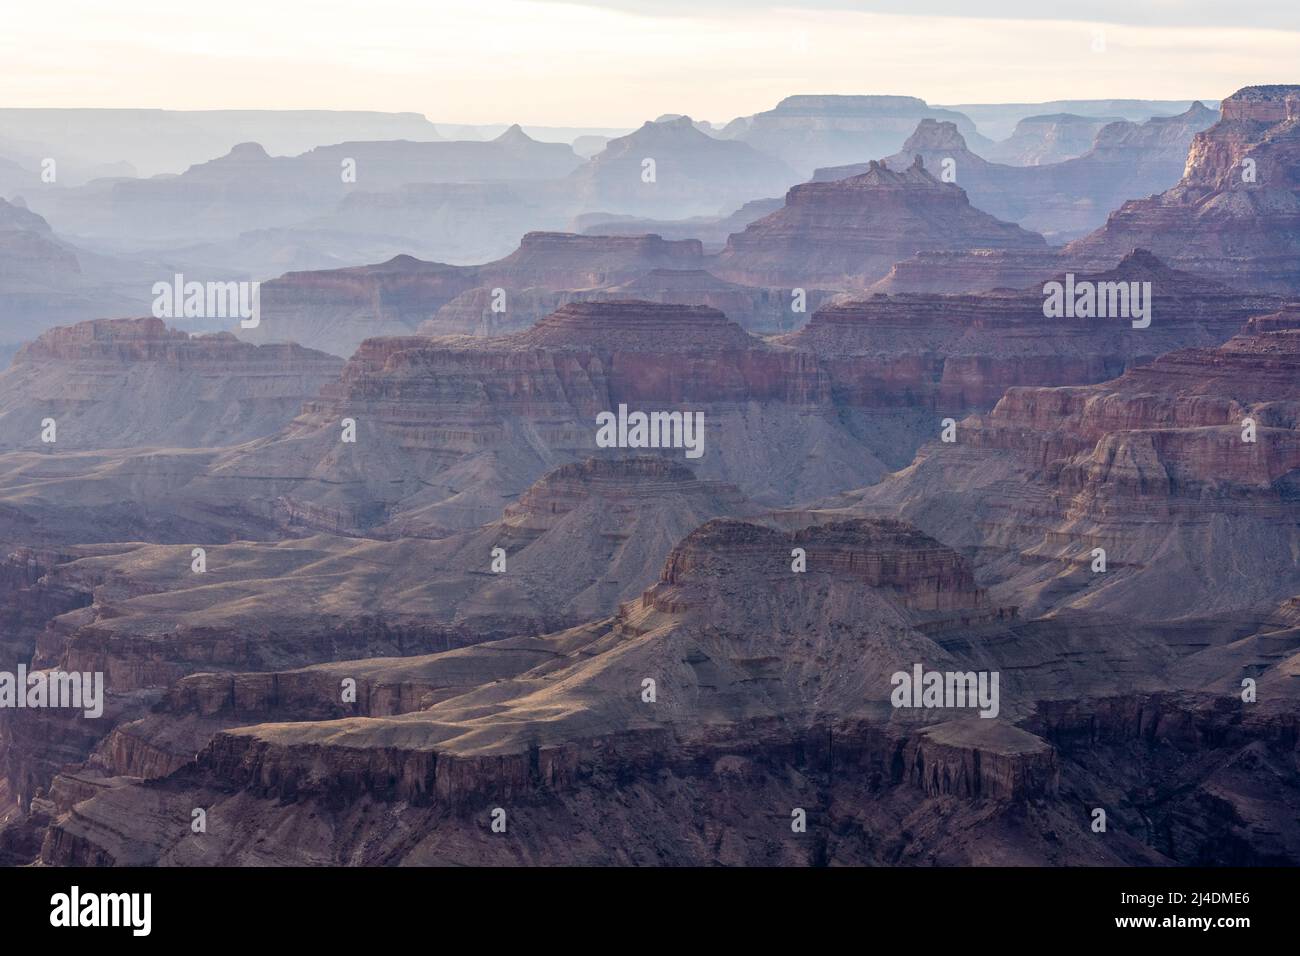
[1059,200]
[114,383]
[958,353]
[753,309]
[569,711]
[847,233]
[1156,467]
[337,310]
[445,427]
[770,689]
[1235,214]
[574,545]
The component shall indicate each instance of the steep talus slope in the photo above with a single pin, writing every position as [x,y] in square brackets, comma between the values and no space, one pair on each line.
[447,429]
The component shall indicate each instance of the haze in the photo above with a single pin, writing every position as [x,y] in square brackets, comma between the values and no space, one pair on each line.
[482,61]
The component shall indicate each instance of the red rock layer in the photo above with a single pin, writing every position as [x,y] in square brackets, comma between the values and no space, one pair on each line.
[1156,468]
[1236,213]
[955,353]
[585,357]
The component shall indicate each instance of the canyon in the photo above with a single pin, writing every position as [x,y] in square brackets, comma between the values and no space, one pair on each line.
[368,585]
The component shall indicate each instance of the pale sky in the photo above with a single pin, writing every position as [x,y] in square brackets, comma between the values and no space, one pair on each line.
[619,62]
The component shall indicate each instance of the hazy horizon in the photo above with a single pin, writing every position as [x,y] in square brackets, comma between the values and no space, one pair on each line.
[713,60]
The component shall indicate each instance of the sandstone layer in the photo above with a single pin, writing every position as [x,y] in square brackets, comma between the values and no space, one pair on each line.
[1235,215]
[1183,471]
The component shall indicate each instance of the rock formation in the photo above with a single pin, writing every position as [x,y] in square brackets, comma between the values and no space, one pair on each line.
[812,131]
[1235,213]
[1059,200]
[753,309]
[730,677]
[248,189]
[123,383]
[46,281]
[848,233]
[448,426]
[335,310]
[602,537]
[953,354]
[1183,471]
[1049,138]
[712,231]
[670,169]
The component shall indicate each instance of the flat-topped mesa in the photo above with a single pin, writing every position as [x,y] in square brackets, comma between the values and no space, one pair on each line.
[1269,104]
[961,352]
[849,232]
[150,340]
[562,260]
[1287,319]
[337,309]
[634,326]
[630,482]
[753,309]
[975,270]
[758,310]
[119,383]
[580,479]
[1234,213]
[921,574]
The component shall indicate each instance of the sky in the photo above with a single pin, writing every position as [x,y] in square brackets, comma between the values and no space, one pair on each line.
[617,63]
